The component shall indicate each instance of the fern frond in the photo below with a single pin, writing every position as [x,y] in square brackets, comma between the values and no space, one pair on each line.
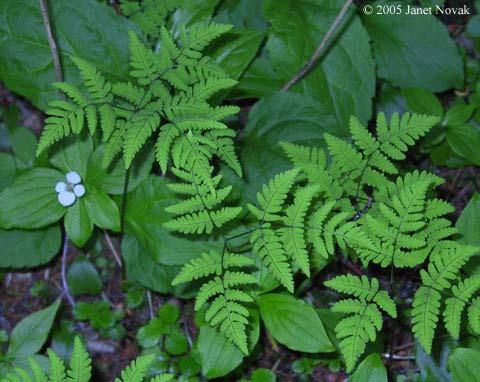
[268,246]
[57,368]
[226,309]
[365,319]
[140,127]
[137,369]
[455,305]
[441,271]
[80,363]
[98,87]
[143,61]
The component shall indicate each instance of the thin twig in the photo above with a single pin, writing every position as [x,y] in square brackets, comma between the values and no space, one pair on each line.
[317,54]
[112,249]
[150,304]
[51,41]
[66,291]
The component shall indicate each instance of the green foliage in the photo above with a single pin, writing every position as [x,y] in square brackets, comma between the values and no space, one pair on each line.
[81,370]
[365,318]
[227,308]
[443,269]
[169,94]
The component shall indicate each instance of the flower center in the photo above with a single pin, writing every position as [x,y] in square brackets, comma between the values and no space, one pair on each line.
[70,187]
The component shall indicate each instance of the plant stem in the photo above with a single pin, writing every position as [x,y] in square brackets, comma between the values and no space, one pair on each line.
[112,249]
[124,199]
[51,41]
[317,54]
[66,291]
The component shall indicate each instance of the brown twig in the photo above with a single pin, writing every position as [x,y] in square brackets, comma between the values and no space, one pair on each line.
[51,41]
[318,52]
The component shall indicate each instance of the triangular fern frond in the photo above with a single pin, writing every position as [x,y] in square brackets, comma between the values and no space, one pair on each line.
[80,363]
[364,319]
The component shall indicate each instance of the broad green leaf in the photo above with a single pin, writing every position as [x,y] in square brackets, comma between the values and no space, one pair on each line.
[343,82]
[464,365]
[168,313]
[414,51]
[218,356]
[241,14]
[176,343]
[192,12]
[141,267]
[23,248]
[78,224]
[102,210]
[263,375]
[111,179]
[433,367]
[468,223]
[83,278]
[235,51]
[371,369]
[458,114]
[259,80]
[72,154]
[294,323]
[24,144]
[422,101]
[150,334]
[31,201]
[144,218]
[30,334]
[84,28]
[284,116]
[465,141]
[8,170]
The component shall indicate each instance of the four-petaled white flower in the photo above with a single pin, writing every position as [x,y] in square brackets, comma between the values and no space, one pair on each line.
[69,191]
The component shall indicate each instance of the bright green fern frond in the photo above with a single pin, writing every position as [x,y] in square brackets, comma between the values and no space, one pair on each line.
[474,315]
[96,84]
[273,195]
[143,61]
[293,234]
[269,247]
[80,363]
[139,129]
[455,305]
[57,368]
[137,369]
[441,271]
[225,291]
[64,118]
[365,319]
[199,36]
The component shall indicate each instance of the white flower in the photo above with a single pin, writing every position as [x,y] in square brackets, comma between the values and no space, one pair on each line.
[69,191]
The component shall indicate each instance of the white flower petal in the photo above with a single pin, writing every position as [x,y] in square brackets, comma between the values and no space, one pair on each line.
[66,198]
[79,190]
[73,177]
[60,187]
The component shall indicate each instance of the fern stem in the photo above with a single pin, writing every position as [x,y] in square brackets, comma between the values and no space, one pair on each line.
[124,199]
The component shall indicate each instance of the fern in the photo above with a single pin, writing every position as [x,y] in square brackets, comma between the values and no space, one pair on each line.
[404,230]
[169,95]
[365,318]
[227,308]
[285,231]
[80,369]
[442,270]
[369,159]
